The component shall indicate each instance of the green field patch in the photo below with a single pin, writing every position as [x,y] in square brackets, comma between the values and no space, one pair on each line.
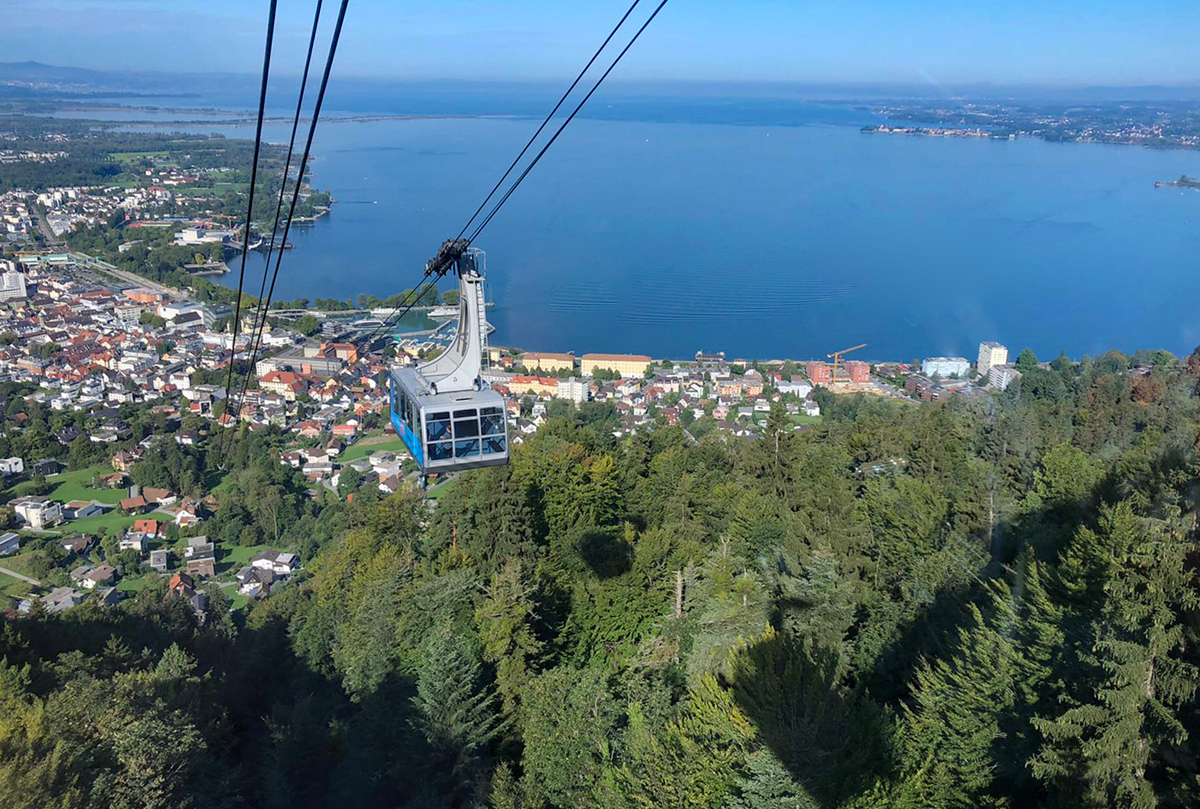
[77,485]
[114,522]
[12,589]
[19,563]
[371,444]
[230,558]
[237,600]
[129,156]
[134,584]
[443,490]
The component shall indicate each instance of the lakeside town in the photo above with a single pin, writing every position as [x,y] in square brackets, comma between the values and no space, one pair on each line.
[1161,124]
[102,351]
[116,351]
[732,455]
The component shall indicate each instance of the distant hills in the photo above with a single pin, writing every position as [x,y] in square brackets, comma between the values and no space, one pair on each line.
[61,81]
[79,78]
[38,72]
[36,86]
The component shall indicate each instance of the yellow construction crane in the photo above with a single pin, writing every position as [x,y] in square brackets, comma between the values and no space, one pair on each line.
[837,356]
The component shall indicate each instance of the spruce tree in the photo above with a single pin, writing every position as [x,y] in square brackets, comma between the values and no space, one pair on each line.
[1097,752]
[948,737]
[458,711]
[505,618]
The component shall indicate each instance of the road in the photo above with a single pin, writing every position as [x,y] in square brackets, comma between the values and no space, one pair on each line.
[128,277]
[336,312]
[44,226]
[17,575]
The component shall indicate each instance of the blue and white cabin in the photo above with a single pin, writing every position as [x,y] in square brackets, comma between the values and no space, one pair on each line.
[449,418]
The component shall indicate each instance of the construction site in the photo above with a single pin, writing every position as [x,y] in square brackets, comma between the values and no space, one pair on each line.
[842,376]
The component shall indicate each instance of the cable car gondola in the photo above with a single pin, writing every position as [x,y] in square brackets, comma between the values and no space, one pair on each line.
[449,418]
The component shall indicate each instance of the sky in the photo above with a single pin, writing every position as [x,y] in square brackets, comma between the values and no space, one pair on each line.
[1049,42]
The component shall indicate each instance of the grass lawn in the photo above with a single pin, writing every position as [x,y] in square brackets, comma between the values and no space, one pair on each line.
[372,443]
[136,155]
[134,584]
[13,589]
[114,521]
[442,490]
[231,558]
[216,481]
[803,418]
[19,563]
[238,600]
[77,485]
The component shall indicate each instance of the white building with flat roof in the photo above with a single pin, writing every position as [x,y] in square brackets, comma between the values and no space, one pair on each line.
[12,282]
[1001,376]
[946,367]
[10,543]
[990,353]
[37,512]
[796,386]
[574,389]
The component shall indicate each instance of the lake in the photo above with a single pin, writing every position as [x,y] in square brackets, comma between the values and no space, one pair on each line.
[782,232]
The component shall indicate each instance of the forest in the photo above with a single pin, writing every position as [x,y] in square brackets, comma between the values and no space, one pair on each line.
[986,601]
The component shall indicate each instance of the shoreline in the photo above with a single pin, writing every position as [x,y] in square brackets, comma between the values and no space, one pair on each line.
[247,119]
[984,134]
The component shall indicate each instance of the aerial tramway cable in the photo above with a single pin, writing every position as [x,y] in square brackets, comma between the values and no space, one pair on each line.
[439,266]
[549,117]
[564,124]
[262,105]
[405,305]
[259,313]
[312,129]
[287,163]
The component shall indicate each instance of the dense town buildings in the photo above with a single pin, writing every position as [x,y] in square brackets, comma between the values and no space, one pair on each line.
[91,346]
[107,347]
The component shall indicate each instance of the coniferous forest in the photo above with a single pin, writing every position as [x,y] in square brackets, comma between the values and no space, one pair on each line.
[988,601]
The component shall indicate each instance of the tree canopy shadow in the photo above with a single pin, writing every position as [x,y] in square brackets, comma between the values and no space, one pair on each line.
[605,552]
[828,723]
[832,740]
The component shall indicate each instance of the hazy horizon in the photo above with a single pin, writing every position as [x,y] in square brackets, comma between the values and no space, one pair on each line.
[67,79]
[1057,44]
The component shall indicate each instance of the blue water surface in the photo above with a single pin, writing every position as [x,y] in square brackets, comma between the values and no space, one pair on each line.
[767,230]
